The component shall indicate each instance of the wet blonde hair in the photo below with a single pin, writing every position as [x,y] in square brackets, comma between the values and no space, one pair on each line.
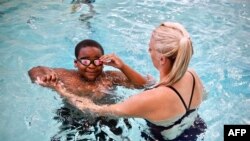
[173,41]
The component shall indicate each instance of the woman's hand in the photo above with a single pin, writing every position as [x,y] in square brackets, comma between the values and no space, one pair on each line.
[112,60]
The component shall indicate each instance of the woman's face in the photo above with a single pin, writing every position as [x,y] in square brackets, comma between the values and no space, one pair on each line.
[153,52]
[92,71]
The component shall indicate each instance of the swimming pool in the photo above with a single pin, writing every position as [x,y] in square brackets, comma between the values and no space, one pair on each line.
[45,33]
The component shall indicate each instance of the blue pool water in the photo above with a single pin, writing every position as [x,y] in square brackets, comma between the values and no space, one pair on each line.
[45,33]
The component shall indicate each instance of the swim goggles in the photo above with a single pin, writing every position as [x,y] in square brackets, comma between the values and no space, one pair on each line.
[87,62]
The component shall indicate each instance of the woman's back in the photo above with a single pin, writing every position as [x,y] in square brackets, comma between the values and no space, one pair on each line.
[190,89]
[184,97]
[170,99]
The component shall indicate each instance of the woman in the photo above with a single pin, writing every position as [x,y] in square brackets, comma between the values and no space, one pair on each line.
[171,106]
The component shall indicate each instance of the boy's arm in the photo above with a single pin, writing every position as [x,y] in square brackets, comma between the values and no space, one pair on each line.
[134,77]
[119,78]
[127,74]
[44,73]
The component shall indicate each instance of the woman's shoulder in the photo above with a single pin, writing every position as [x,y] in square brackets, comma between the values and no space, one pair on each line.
[165,92]
[201,86]
[191,70]
[198,82]
[196,76]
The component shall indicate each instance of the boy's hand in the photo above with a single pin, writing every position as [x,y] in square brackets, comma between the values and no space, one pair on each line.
[48,80]
[112,60]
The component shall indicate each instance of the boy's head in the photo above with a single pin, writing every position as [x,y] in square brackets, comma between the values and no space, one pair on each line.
[87,53]
[87,43]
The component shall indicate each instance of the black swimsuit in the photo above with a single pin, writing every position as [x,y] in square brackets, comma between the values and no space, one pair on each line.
[188,134]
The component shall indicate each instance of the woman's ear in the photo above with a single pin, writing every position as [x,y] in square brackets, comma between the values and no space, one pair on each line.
[162,60]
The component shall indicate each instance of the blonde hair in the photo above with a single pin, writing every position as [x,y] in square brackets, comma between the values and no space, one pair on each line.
[173,41]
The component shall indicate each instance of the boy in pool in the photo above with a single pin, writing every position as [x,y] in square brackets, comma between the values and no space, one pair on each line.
[89,79]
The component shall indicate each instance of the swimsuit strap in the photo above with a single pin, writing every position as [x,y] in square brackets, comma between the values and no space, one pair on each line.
[182,100]
[192,90]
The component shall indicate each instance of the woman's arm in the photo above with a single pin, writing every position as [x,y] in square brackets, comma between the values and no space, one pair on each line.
[140,105]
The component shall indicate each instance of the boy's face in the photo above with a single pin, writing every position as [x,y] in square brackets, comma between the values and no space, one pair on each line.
[88,63]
